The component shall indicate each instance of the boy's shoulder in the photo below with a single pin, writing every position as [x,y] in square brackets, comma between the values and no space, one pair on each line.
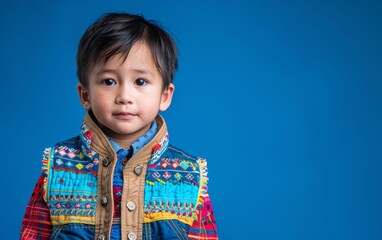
[172,152]
[177,153]
[74,141]
[70,144]
[67,148]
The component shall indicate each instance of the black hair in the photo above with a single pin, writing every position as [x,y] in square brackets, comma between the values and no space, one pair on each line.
[115,33]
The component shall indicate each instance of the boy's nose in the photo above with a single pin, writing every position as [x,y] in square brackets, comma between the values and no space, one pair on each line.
[123,97]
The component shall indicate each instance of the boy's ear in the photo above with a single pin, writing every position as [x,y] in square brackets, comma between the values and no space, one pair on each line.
[83,93]
[166,97]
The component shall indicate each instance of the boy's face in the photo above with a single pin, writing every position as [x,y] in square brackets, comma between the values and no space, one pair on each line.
[125,95]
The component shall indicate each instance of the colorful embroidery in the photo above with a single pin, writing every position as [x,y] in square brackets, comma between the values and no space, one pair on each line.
[72,195]
[86,137]
[71,159]
[172,188]
[158,149]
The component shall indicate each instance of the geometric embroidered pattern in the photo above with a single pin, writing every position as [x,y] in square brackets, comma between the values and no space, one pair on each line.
[172,187]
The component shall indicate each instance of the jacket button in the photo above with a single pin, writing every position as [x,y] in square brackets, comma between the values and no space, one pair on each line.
[101,237]
[130,206]
[104,200]
[138,170]
[132,236]
[106,162]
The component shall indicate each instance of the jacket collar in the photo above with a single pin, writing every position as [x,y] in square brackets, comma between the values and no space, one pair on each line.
[94,141]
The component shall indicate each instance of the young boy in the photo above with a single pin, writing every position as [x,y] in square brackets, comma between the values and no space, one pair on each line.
[120,178]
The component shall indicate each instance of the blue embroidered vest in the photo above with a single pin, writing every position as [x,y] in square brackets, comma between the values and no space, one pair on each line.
[161,190]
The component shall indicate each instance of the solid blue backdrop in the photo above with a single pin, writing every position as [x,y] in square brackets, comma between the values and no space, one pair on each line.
[282,97]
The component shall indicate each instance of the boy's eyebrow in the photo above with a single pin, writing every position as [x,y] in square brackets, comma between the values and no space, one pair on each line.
[102,71]
[142,71]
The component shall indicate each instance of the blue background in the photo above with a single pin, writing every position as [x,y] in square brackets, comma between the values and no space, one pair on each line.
[283,98]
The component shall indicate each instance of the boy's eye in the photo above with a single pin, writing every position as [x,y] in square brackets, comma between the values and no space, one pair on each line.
[109,82]
[140,82]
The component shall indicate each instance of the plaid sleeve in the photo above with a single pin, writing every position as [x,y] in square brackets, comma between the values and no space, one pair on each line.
[36,223]
[204,227]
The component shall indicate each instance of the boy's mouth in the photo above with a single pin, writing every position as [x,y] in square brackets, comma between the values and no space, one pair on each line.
[124,115]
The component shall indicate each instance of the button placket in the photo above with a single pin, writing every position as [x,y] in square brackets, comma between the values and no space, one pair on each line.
[133,174]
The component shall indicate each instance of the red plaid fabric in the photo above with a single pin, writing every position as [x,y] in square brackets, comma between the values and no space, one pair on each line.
[205,226]
[36,223]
